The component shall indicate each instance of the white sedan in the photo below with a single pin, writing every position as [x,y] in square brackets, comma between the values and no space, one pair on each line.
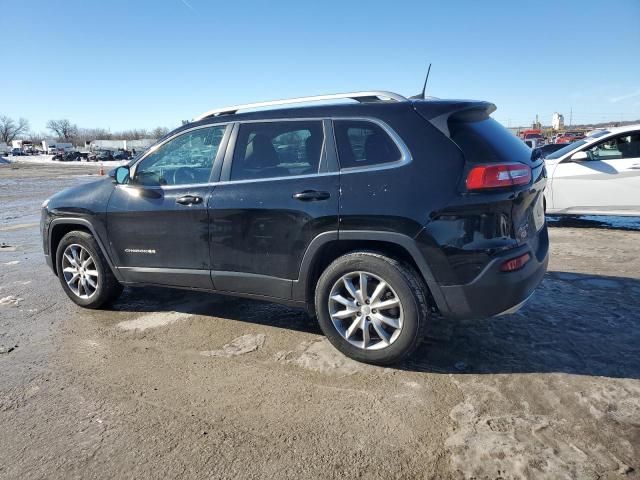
[598,175]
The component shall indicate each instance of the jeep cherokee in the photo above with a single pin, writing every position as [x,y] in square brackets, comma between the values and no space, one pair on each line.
[374,215]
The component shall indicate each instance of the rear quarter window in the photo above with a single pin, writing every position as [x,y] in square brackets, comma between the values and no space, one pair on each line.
[362,143]
[486,141]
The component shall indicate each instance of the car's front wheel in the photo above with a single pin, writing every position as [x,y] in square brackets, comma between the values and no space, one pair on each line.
[371,307]
[83,271]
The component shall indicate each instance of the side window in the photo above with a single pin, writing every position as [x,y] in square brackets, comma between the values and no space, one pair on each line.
[187,159]
[277,149]
[626,145]
[362,143]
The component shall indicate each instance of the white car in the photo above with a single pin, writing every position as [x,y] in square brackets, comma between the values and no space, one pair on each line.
[598,175]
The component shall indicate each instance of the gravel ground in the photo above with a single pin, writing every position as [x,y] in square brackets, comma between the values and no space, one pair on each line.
[180,384]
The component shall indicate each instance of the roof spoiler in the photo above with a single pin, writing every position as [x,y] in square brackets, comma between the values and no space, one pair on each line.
[439,113]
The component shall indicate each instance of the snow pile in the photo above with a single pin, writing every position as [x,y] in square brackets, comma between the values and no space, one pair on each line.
[48,160]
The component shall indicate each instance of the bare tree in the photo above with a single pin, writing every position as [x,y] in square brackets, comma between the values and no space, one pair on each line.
[134,134]
[63,128]
[9,129]
[35,137]
[159,132]
[87,135]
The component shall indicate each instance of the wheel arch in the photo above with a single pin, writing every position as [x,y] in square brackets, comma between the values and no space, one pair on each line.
[326,247]
[61,226]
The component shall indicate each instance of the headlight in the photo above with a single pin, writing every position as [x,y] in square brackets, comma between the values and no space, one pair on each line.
[45,203]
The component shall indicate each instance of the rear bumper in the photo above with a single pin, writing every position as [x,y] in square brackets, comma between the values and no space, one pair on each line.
[494,292]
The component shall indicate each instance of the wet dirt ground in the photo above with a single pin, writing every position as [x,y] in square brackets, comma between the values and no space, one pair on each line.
[172,384]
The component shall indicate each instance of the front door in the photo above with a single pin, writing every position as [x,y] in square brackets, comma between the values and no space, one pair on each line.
[274,197]
[158,223]
[607,182]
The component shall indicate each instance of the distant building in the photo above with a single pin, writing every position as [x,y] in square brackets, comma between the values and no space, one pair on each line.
[50,145]
[557,121]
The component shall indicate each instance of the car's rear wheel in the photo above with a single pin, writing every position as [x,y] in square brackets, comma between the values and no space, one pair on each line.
[83,271]
[371,307]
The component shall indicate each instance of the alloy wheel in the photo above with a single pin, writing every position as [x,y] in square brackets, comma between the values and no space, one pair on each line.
[80,272]
[365,310]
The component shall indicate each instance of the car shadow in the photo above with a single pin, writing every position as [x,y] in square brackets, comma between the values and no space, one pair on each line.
[158,299]
[575,323]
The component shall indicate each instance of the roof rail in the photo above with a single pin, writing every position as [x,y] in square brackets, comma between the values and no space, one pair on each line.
[373,96]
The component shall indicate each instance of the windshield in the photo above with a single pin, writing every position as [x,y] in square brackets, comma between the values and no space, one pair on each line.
[567,149]
[599,133]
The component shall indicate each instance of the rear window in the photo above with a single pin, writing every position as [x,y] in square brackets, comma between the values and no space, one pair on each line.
[486,141]
[362,143]
[277,149]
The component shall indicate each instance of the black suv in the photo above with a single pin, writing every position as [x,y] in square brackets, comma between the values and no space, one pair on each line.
[373,215]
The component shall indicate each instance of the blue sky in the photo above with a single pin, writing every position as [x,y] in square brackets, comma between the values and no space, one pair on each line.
[123,64]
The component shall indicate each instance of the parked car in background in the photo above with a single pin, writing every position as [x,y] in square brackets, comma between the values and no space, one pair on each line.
[17,152]
[101,156]
[122,155]
[534,139]
[596,175]
[534,142]
[569,137]
[319,207]
[71,157]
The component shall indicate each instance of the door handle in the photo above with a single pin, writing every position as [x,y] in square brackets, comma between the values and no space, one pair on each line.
[189,200]
[635,166]
[309,195]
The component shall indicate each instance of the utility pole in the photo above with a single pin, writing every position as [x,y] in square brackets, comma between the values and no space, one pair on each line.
[570,116]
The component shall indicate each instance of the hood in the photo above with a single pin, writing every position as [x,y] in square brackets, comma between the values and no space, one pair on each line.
[87,197]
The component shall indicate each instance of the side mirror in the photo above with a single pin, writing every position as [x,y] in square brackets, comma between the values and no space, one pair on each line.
[120,174]
[579,157]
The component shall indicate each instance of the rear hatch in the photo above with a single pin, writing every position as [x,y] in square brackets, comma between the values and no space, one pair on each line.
[491,150]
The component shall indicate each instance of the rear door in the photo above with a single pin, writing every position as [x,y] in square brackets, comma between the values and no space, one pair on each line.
[608,181]
[275,195]
[158,223]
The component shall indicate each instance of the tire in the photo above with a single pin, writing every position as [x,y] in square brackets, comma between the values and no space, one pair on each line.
[100,286]
[402,304]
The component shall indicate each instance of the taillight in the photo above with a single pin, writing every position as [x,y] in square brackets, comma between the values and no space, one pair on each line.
[515,263]
[498,176]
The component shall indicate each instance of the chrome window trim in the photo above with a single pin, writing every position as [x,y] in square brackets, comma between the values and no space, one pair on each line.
[405,154]
[226,182]
[165,187]
[275,179]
